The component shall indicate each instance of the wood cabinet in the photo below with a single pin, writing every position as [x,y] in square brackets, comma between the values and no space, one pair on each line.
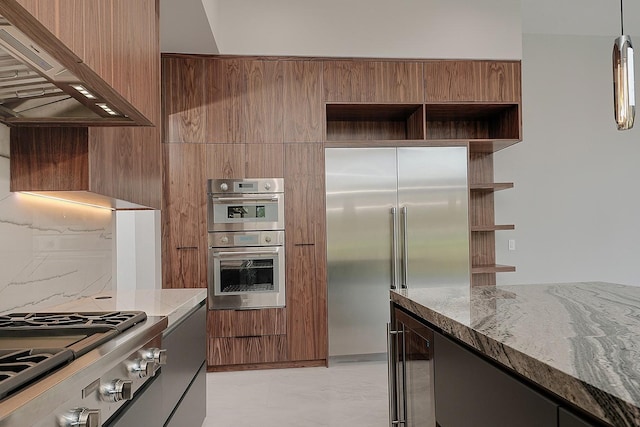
[184,217]
[472,81]
[231,100]
[253,117]
[305,251]
[117,39]
[373,81]
[302,101]
[121,163]
[246,337]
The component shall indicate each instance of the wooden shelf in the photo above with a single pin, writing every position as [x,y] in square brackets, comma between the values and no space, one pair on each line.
[493,227]
[490,145]
[473,121]
[366,121]
[491,186]
[492,268]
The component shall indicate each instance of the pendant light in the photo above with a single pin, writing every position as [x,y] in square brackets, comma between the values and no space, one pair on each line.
[624,98]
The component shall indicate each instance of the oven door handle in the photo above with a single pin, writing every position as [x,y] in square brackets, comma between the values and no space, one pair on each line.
[245,253]
[245,199]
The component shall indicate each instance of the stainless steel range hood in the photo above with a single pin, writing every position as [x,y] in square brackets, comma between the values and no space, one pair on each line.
[38,88]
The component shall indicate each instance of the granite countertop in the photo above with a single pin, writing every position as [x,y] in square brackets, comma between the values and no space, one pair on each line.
[581,341]
[172,303]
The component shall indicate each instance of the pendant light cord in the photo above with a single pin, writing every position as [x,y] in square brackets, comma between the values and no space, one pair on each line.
[621,19]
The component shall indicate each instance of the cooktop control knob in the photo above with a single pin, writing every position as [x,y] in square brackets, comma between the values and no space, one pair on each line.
[267,239]
[155,355]
[224,240]
[267,186]
[117,390]
[224,186]
[81,417]
[141,368]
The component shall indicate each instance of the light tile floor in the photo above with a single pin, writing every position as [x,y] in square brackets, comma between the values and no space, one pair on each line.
[346,394]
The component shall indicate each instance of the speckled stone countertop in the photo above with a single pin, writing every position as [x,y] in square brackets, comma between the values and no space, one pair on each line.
[580,341]
[172,303]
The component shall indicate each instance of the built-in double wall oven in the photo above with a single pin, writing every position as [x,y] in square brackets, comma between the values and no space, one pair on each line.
[246,262]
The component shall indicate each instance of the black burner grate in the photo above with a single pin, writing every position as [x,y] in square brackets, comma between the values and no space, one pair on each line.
[119,320]
[20,367]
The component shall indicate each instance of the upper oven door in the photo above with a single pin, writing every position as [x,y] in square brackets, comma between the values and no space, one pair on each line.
[238,212]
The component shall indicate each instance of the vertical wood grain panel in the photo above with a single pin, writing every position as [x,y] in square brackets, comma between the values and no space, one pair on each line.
[345,81]
[71,16]
[98,37]
[184,101]
[184,215]
[224,161]
[136,54]
[396,82]
[245,323]
[373,81]
[264,161]
[303,115]
[134,169]
[472,81]
[49,159]
[305,251]
[262,102]
[224,94]
[240,351]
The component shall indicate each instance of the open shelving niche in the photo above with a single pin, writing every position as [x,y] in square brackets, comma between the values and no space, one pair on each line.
[486,126]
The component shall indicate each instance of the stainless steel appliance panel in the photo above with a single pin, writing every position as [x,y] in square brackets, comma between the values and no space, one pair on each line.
[246,270]
[361,190]
[434,211]
[396,217]
[245,204]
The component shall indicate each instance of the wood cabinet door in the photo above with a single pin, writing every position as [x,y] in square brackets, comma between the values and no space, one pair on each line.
[373,81]
[461,81]
[184,108]
[243,99]
[262,102]
[302,104]
[263,160]
[305,252]
[184,223]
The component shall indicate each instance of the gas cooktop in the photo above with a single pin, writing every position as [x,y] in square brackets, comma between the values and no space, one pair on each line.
[35,344]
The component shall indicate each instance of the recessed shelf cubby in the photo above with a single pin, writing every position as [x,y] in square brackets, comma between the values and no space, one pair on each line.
[473,121]
[374,122]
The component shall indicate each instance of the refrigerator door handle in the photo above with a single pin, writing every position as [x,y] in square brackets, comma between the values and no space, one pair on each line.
[394,249]
[405,249]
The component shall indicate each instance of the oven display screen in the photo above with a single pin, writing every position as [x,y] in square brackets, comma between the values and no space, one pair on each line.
[254,211]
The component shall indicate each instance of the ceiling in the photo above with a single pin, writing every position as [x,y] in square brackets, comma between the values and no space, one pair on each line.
[185,25]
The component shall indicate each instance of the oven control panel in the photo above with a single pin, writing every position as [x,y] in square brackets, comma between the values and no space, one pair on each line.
[240,186]
[246,239]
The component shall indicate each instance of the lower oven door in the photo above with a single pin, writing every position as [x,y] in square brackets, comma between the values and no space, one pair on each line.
[246,277]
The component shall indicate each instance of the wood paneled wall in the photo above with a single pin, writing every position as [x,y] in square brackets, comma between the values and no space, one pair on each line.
[238,117]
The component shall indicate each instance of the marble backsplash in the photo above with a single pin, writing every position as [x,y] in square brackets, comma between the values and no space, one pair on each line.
[50,252]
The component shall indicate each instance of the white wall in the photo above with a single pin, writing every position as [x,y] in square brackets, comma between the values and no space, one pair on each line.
[368,28]
[575,203]
[138,250]
[50,252]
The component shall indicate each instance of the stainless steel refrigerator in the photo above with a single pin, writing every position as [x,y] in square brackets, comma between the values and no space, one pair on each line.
[396,217]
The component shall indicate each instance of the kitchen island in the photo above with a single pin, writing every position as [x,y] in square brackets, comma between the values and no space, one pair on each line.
[576,346]
[177,397]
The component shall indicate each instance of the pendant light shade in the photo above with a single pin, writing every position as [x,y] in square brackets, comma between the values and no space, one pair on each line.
[624,98]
